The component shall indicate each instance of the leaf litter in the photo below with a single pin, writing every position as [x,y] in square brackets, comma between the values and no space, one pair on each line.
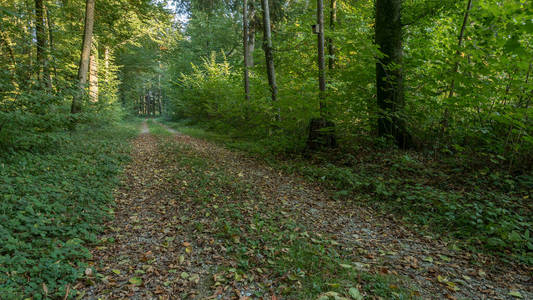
[194,220]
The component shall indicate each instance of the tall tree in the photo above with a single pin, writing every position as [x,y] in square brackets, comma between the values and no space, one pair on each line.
[267,46]
[332,22]
[321,130]
[93,72]
[85,54]
[42,64]
[389,77]
[246,49]
[50,25]
[321,60]
[252,25]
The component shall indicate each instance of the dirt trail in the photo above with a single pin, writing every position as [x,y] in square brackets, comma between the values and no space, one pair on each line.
[144,129]
[145,248]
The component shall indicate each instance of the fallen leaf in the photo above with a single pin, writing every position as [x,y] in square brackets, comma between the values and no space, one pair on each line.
[345,266]
[516,294]
[136,280]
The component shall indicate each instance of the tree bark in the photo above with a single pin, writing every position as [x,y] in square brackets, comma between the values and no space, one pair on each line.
[106,58]
[267,46]
[140,106]
[251,33]
[42,66]
[321,60]
[389,77]
[51,41]
[159,91]
[93,73]
[85,54]
[321,130]
[246,49]
[332,22]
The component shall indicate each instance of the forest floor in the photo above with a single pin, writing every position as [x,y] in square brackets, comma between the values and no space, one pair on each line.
[196,220]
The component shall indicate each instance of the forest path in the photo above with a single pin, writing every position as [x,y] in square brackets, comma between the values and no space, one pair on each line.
[195,220]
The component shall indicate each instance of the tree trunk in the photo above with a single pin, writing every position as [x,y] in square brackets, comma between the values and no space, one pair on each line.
[332,21]
[51,41]
[93,73]
[459,44]
[390,96]
[140,106]
[85,53]
[267,46]
[152,101]
[27,49]
[321,130]
[41,39]
[106,58]
[159,92]
[149,102]
[246,49]
[251,34]
[42,66]
[321,60]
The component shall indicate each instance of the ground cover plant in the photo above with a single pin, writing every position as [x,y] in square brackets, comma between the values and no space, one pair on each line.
[53,203]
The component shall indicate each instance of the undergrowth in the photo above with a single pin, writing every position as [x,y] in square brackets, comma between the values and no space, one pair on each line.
[52,203]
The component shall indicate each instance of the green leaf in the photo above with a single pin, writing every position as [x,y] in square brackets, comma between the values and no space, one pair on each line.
[355,294]
[512,45]
[528,27]
[345,266]
[516,294]
[136,281]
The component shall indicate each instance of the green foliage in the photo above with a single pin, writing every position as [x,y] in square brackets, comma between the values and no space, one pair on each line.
[489,110]
[51,207]
[212,94]
[487,113]
[492,214]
